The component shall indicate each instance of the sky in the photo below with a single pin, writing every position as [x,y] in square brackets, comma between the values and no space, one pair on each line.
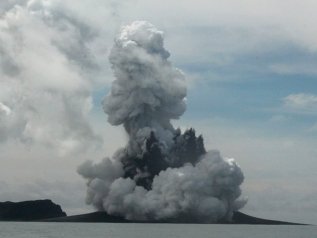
[250,69]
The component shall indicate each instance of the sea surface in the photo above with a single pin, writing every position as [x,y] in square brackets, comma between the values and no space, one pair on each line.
[108,230]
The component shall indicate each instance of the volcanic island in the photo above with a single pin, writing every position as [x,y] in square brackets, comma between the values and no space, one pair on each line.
[162,174]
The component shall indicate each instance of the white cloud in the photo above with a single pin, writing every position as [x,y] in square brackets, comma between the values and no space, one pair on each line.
[4,110]
[301,102]
[47,76]
[295,19]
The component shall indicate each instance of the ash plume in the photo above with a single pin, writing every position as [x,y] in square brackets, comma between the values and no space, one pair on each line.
[162,173]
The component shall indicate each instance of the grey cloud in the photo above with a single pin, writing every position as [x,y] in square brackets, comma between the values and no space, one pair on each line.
[7,64]
[147,93]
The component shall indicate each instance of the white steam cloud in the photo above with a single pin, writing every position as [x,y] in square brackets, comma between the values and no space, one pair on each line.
[45,87]
[161,174]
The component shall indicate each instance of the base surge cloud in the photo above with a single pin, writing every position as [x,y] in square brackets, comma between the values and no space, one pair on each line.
[162,173]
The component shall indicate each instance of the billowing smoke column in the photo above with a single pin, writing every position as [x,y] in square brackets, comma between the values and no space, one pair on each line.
[161,174]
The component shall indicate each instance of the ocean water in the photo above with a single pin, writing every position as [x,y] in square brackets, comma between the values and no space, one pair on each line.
[108,230]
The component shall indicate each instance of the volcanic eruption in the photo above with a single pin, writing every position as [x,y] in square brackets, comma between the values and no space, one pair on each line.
[162,173]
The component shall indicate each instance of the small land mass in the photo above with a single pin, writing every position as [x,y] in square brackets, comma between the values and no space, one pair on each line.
[30,210]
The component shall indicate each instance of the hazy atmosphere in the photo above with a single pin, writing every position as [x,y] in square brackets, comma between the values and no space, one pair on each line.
[250,69]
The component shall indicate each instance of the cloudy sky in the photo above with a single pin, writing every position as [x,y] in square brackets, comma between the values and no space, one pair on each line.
[251,70]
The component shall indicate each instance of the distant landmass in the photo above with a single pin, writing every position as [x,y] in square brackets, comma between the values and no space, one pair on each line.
[47,211]
[30,210]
